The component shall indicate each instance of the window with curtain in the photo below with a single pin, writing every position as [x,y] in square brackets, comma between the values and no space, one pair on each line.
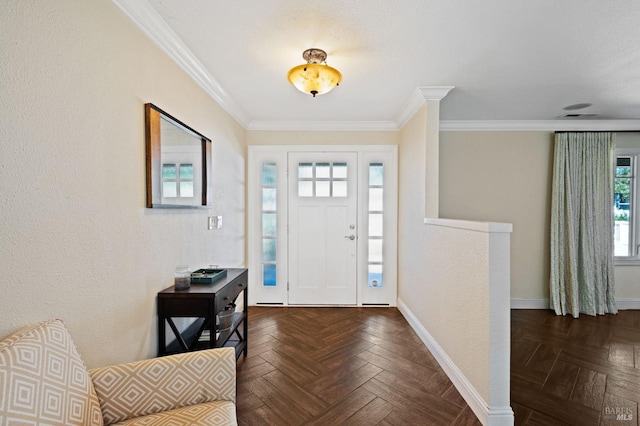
[582,224]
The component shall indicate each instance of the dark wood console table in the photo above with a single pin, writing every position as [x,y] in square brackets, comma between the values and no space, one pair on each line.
[203,302]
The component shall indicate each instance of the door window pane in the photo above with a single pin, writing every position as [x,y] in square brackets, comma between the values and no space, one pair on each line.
[305,171]
[375,225]
[323,188]
[339,188]
[339,170]
[375,250]
[375,276]
[269,224]
[375,199]
[376,174]
[268,174]
[305,188]
[269,199]
[323,171]
[269,275]
[268,250]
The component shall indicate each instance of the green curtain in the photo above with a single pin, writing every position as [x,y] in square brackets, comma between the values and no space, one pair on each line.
[582,224]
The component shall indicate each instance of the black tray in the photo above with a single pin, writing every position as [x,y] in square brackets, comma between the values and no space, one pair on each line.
[207,276]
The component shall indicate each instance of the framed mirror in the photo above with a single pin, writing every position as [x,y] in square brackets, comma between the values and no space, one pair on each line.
[178,162]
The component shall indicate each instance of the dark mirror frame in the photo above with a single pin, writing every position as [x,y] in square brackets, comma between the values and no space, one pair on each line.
[153,142]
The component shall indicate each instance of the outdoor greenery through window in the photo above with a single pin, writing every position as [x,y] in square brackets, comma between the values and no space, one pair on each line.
[624,238]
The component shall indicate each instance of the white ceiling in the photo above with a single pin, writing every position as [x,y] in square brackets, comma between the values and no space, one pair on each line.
[509,60]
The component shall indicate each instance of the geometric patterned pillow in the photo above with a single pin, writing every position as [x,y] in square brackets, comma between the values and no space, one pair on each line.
[43,380]
[157,385]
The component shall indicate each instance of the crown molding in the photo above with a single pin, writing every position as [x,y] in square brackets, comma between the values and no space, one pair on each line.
[152,24]
[579,125]
[356,126]
[434,93]
[452,125]
[418,98]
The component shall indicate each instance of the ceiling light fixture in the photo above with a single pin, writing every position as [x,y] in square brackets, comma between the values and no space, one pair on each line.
[315,77]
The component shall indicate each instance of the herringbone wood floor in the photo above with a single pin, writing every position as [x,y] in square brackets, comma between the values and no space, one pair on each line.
[342,366]
[365,366]
[582,371]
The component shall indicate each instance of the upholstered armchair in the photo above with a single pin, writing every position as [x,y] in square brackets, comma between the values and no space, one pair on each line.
[43,380]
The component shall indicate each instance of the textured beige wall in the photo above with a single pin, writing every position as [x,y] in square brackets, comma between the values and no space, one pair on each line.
[272,137]
[411,197]
[77,242]
[431,283]
[503,177]
[455,305]
[506,177]
[628,140]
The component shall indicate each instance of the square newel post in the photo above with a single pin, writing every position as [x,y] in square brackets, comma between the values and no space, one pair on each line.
[432,96]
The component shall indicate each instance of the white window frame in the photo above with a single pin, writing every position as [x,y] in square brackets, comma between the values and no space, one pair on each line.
[258,293]
[634,208]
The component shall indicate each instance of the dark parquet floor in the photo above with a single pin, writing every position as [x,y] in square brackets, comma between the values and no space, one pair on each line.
[579,372]
[366,366]
[342,366]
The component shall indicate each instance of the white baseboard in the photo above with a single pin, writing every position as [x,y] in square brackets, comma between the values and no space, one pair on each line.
[622,304]
[530,304]
[494,416]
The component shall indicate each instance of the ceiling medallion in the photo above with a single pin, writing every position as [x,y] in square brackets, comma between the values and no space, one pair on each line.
[315,77]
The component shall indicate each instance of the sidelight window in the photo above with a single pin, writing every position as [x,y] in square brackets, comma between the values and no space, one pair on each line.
[375,217]
[269,224]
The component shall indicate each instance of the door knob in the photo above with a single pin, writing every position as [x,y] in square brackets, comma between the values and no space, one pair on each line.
[351,237]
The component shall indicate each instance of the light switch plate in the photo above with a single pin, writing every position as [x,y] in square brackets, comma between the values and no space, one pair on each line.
[214,222]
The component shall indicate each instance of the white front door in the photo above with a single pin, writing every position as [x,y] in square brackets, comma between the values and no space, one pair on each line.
[323,228]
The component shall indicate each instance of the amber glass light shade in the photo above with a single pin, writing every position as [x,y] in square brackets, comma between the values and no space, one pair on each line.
[314,78]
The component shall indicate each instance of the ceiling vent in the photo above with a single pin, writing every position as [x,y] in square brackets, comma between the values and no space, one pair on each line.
[577,106]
